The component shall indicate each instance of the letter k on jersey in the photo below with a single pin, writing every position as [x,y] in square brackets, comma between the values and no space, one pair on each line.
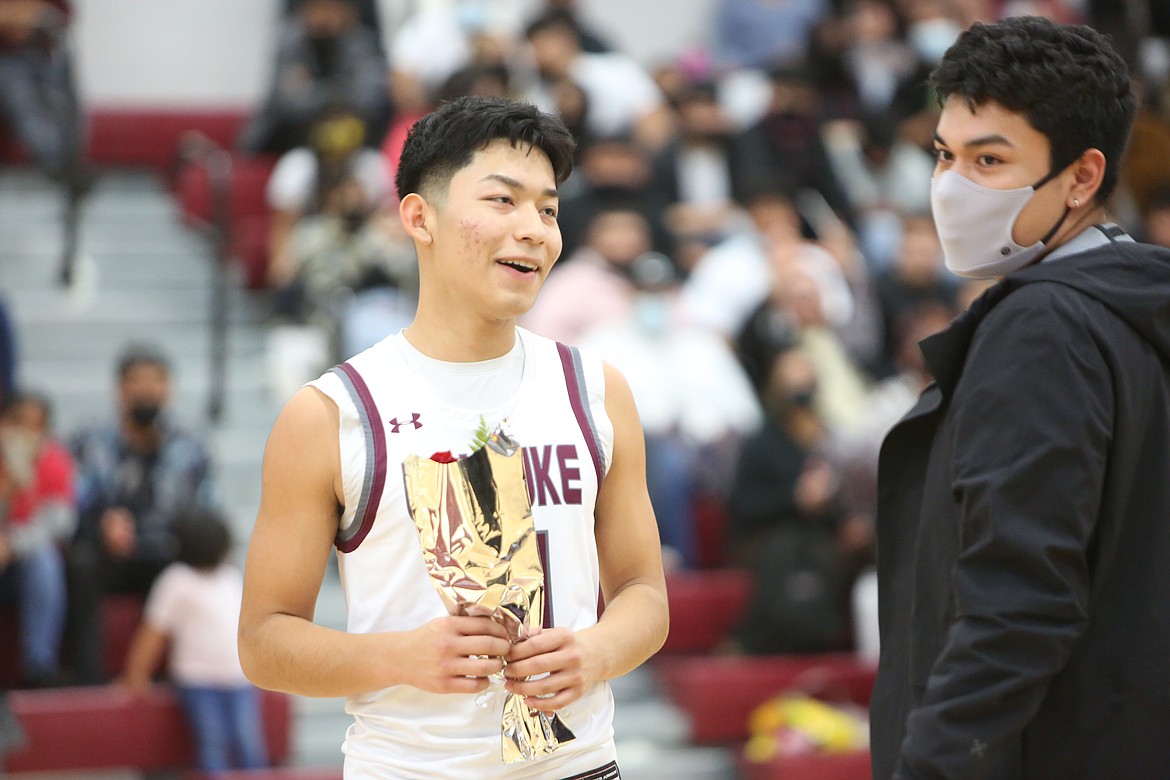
[395,425]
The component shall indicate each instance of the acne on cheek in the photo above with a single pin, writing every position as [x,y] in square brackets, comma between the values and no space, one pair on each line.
[475,235]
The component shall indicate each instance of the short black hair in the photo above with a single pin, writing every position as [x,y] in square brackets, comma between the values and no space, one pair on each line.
[1067,80]
[443,141]
[204,540]
[135,355]
[555,19]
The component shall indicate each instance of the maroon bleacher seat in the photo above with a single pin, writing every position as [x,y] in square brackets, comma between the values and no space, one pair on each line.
[149,137]
[705,606]
[711,522]
[837,766]
[105,728]
[717,693]
[276,773]
[120,617]
[248,213]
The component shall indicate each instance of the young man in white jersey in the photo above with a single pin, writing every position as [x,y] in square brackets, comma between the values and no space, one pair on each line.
[478,181]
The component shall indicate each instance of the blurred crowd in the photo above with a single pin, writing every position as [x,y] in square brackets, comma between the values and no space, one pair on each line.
[747,236]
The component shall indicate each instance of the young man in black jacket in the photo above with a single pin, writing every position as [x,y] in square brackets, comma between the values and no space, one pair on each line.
[1024,507]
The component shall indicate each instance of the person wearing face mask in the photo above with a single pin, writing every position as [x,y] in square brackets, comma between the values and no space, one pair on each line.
[135,478]
[1021,528]
[789,523]
[38,512]
[324,55]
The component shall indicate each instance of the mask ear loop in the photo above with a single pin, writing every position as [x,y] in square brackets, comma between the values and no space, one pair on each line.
[1067,209]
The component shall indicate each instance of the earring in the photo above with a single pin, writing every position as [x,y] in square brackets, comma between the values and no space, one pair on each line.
[1076,203]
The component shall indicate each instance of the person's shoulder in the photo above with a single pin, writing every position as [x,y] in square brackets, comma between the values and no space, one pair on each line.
[93,436]
[55,455]
[173,577]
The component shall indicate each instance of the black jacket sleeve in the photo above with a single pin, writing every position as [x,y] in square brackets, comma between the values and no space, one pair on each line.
[1033,412]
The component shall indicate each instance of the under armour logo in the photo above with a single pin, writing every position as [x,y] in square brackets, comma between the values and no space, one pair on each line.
[395,425]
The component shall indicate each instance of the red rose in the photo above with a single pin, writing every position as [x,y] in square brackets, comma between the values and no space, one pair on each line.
[444,457]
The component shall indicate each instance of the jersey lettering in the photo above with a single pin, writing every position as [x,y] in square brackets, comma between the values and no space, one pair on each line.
[553,475]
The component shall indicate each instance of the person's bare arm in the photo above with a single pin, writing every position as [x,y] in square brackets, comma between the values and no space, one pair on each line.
[635,621]
[146,651]
[280,646]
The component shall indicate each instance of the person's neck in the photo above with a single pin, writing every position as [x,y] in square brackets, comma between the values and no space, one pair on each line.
[1074,226]
[460,338]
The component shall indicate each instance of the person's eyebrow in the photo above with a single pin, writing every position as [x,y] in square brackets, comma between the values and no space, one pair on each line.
[548,192]
[983,140]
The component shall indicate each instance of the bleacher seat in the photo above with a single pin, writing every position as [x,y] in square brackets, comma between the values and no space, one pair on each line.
[836,766]
[705,605]
[276,773]
[717,693]
[150,137]
[120,617]
[153,138]
[105,728]
[249,217]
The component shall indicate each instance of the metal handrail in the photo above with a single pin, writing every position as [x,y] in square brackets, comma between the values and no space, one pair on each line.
[197,149]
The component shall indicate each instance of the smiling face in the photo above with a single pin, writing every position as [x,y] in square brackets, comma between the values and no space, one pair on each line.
[488,243]
[999,149]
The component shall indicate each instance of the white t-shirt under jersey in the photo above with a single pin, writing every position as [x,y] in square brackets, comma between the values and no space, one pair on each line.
[553,399]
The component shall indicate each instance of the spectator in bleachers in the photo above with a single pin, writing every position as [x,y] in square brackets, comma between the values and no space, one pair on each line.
[303,177]
[786,144]
[595,287]
[39,104]
[194,608]
[623,99]
[324,56]
[446,49]
[38,96]
[917,276]
[694,173]
[38,513]
[856,447]
[878,58]
[347,278]
[1156,224]
[136,477]
[695,403]
[931,27]
[884,175]
[1146,168]
[734,277]
[367,11]
[440,38]
[611,169]
[592,41]
[797,299]
[762,33]
[788,523]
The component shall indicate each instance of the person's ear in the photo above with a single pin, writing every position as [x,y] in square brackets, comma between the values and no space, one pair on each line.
[415,214]
[1088,171]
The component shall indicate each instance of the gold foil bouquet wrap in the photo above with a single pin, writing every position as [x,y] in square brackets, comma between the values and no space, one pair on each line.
[474,522]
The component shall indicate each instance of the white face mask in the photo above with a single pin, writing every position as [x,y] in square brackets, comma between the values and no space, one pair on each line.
[932,38]
[975,225]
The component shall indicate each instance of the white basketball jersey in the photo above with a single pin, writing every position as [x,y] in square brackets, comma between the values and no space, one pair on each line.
[392,404]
